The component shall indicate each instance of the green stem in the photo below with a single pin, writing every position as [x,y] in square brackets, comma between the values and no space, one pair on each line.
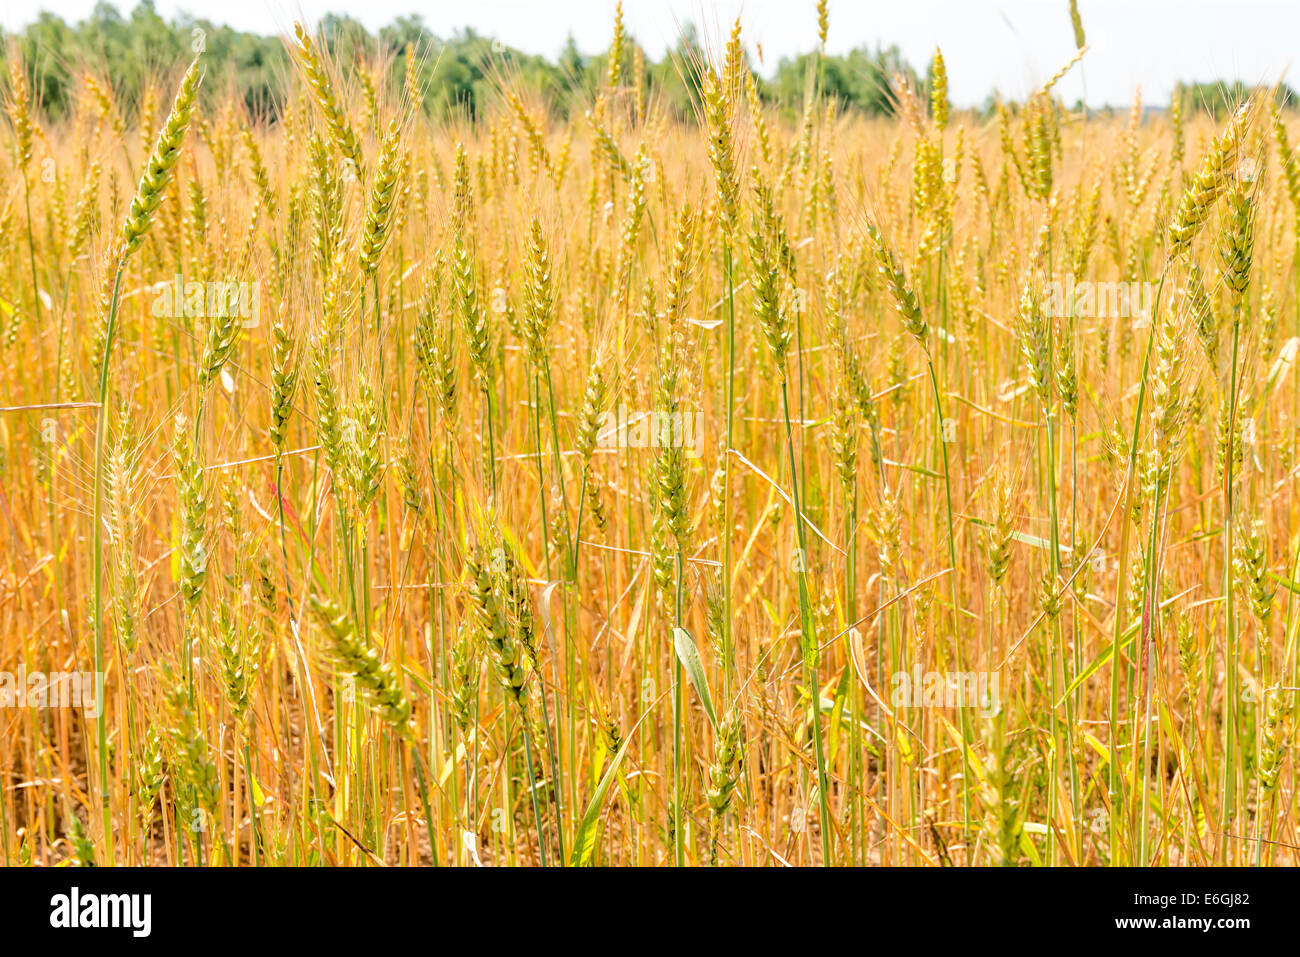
[1126,526]
[532,783]
[809,637]
[97,553]
[1230,650]
[953,595]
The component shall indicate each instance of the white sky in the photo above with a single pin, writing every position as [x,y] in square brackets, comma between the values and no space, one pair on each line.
[1009,45]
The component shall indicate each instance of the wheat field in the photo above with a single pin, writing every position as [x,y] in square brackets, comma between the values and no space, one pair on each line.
[619,488]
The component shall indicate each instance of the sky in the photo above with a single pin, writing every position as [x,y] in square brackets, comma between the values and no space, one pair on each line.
[1010,46]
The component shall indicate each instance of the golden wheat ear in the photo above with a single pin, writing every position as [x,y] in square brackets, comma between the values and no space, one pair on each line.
[20,113]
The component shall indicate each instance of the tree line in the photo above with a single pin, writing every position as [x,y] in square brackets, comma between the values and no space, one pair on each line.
[458,74]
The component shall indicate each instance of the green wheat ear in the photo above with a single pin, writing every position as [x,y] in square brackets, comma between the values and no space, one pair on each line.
[492,625]
[379,213]
[356,657]
[322,91]
[284,377]
[158,171]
